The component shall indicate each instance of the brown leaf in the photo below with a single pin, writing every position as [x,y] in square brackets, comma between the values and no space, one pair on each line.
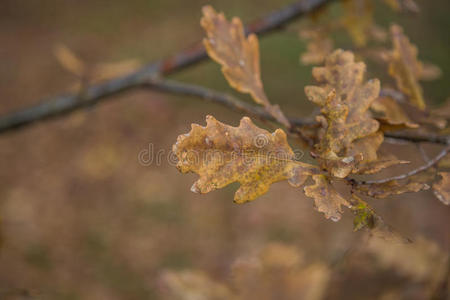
[405,67]
[318,48]
[253,277]
[222,154]
[358,20]
[422,260]
[393,187]
[442,188]
[239,57]
[326,198]
[348,138]
[391,114]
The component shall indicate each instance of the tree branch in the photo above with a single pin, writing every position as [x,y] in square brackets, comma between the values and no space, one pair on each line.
[224,99]
[94,94]
[429,164]
[235,104]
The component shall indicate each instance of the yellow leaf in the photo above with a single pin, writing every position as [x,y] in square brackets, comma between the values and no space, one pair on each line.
[442,188]
[405,67]
[222,154]
[69,60]
[239,57]
[326,198]
[348,139]
[358,20]
[105,71]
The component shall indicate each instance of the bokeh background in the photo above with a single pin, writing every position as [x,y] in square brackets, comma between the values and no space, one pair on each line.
[81,218]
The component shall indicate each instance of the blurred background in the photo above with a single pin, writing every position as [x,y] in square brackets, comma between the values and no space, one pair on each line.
[82,218]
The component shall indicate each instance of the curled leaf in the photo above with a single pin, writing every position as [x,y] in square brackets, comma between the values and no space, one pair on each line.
[391,114]
[348,140]
[238,55]
[326,198]
[441,189]
[405,67]
[393,187]
[222,154]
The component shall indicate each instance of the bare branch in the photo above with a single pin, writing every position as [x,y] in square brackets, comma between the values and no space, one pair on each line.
[218,97]
[94,94]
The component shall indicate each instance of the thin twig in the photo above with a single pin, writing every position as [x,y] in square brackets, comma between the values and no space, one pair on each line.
[422,152]
[224,99]
[429,164]
[64,104]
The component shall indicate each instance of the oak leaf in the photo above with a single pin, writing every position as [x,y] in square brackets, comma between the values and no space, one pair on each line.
[349,137]
[358,20]
[391,115]
[393,187]
[319,46]
[326,198]
[405,67]
[238,55]
[222,154]
[441,189]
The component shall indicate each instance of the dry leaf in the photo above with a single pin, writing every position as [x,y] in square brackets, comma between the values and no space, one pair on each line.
[393,187]
[348,138]
[318,48]
[392,116]
[95,73]
[425,117]
[442,188]
[405,67]
[194,285]
[253,277]
[358,20]
[105,71]
[239,57]
[222,154]
[421,260]
[326,198]
[69,60]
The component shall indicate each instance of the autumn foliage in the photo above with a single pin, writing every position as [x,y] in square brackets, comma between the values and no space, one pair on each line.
[349,131]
